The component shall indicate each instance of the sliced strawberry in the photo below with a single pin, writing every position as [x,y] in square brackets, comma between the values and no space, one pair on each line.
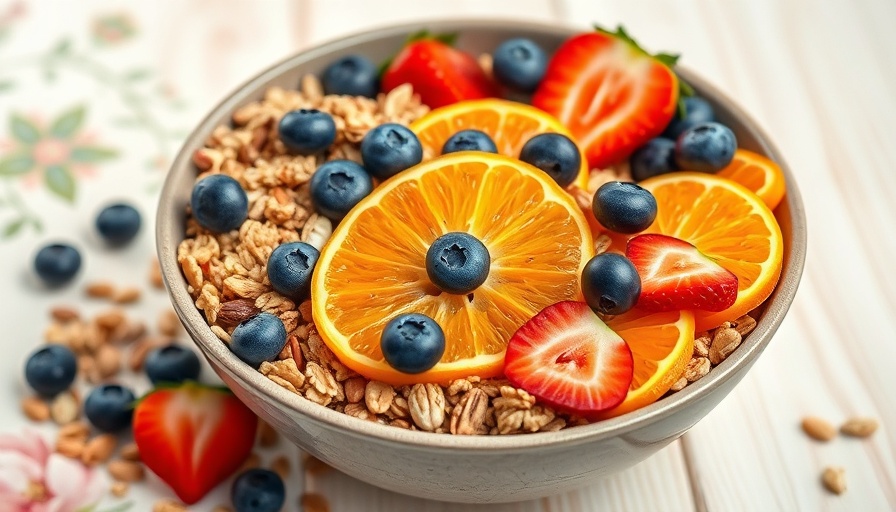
[567,357]
[675,275]
[193,437]
[610,93]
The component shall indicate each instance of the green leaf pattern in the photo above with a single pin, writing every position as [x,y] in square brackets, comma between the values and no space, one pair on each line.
[68,123]
[60,181]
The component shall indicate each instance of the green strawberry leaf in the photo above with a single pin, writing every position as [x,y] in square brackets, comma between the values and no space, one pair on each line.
[14,165]
[68,123]
[60,182]
[90,154]
[23,130]
[12,228]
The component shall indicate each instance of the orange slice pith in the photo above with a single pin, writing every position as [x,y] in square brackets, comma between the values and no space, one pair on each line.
[373,266]
[758,174]
[508,123]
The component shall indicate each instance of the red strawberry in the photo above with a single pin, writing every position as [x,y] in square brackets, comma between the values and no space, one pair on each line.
[440,74]
[675,275]
[567,357]
[193,437]
[610,93]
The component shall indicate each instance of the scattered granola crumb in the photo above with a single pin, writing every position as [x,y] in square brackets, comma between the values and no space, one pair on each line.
[126,295]
[100,290]
[834,479]
[168,323]
[155,274]
[169,506]
[35,409]
[99,449]
[65,408]
[252,461]
[126,470]
[313,502]
[859,427]
[119,489]
[64,314]
[130,452]
[72,448]
[818,429]
[281,466]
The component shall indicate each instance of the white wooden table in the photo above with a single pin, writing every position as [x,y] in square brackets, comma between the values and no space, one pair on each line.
[819,77]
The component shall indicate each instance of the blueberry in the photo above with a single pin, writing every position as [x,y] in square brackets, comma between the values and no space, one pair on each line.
[412,343]
[219,203]
[554,154]
[652,159]
[469,140]
[57,264]
[258,339]
[307,131]
[610,283]
[519,64]
[290,267]
[697,110]
[51,370]
[258,490]
[171,363]
[706,147]
[352,75]
[110,407]
[624,207]
[337,186]
[389,149]
[457,262]
[118,224]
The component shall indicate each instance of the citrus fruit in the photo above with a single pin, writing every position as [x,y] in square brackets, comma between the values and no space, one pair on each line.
[508,123]
[374,265]
[757,173]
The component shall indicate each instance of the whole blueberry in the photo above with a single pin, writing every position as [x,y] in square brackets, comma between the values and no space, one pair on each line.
[469,140]
[307,131]
[696,111]
[652,159]
[337,186]
[219,203]
[610,283]
[389,149]
[119,223]
[51,370]
[412,343]
[56,264]
[457,262]
[258,490]
[519,64]
[290,266]
[624,207]
[554,154]
[706,147]
[110,407]
[171,363]
[352,75]
[258,339]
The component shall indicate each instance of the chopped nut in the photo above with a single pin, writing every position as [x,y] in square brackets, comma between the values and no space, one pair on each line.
[744,325]
[64,314]
[99,290]
[237,311]
[701,346]
[141,349]
[169,506]
[130,452]
[72,448]
[65,408]
[724,342]
[468,416]
[834,479]
[110,319]
[126,296]
[155,274]
[168,323]
[859,427]
[696,369]
[427,406]
[35,409]
[313,502]
[281,466]
[99,449]
[378,396]
[354,389]
[679,384]
[126,470]
[119,489]
[107,361]
[818,429]
[75,430]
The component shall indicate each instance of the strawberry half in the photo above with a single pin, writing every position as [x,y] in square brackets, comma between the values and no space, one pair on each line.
[675,275]
[193,437]
[567,357]
[610,93]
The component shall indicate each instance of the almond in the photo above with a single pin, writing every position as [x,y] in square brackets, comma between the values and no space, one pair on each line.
[130,452]
[126,470]
[126,295]
[834,479]
[35,409]
[65,408]
[99,449]
[235,312]
[818,429]
[99,290]
[859,427]
[119,489]
[64,314]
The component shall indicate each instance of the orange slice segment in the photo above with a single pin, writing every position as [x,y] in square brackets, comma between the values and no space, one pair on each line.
[758,174]
[373,266]
[508,123]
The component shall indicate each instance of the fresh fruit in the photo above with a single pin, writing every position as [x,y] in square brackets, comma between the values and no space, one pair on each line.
[412,343]
[469,140]
[696,110]
[675,275]
[389,149]
[519,64]
[624,207]
[705,147]
[337,186]
[56,264]
[193,437]
[50,370]
[219,203]
[759,174]
[555,154]
[352,75]
[440,74]
[110,407]
[289,268]
[661,345]
[374,265]
[611,94]
[258,339]
[567,357]
[258,490]
[307,131]
[728,224]
[509,124]
[652,159]
[118,224]
[457,262]
[611,284]
[171,364]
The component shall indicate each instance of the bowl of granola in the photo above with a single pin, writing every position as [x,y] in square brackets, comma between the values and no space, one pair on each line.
[505,320]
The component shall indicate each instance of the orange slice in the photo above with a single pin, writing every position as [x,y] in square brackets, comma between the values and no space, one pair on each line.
[373,267]
[661,345]
[757,173]
[508,123]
